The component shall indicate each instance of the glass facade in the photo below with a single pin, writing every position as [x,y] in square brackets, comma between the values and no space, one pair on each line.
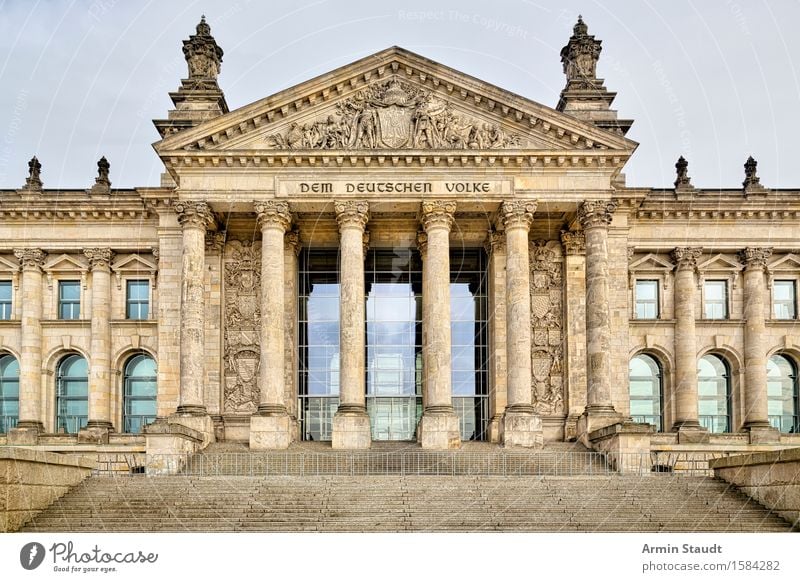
[69,299]
[5,299]
[139,392]
[9,392]
[137,300]
[72,394]
[645,390]
[783,399]
[714,394]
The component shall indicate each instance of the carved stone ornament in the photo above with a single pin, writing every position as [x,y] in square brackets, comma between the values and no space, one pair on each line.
[682,179]
[203,55]
[495,242]
[686,257]
[351,213]
[99,258]
[242,260]
[596,213]
[394,115]
[752,183]
[755,257]
[215,241]
[579,58]
[517,213]
[546,328]
[273,214]
[438,214]
[292,241]
[156,253]
[30,258]
[422,242]
[102,184]
[574,242]
[34,179]
[194,214]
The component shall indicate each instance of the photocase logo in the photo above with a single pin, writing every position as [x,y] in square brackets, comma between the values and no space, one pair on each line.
[31,555]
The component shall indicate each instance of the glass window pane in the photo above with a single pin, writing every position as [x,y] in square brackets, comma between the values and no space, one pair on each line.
[5,290]
[70,290]
[646,290]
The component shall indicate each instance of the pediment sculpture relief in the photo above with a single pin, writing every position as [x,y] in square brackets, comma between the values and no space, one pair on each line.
[394,115]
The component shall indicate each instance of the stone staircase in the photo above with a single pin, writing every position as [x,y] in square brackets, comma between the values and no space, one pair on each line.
[294,503]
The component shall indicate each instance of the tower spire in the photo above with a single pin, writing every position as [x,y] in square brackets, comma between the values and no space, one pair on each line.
[585,97]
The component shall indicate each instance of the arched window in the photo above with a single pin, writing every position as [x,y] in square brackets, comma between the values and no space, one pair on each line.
[9,392]
[644,374]
[72,394]
[140,389]
[782,394]
[714,393]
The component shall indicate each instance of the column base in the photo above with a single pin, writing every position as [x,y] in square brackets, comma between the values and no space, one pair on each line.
[690,432]
[270,431]
[522,427]
[192,410]
[494,429]
[762,434]
[438,429]
[201,423]
[595,418]
[25,433]
[351,428]
[95,432]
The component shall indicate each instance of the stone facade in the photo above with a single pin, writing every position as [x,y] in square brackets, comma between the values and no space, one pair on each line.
[395,151]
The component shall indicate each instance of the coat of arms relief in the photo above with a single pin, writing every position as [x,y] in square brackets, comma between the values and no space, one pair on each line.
[394,115]
[242,261]
[546,327]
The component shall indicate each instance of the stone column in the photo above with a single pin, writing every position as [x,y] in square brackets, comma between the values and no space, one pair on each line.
[30,364]
[756,413]
[686,423]
[574,245]
[195,218]
[495,247]
[595,217]
[270,427]
[291,252]
[439,426]
[351,428]
[100,388]
[521,425]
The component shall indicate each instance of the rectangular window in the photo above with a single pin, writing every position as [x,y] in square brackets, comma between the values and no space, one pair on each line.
[647,299]
[138,300]
[716,300]
[5,299]
[784,299]
[69,299]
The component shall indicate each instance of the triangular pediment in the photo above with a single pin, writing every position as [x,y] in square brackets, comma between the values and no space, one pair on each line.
[133,263]
[66,263]
[651,262]
[394,100]
[719,262]
[790,262]
[8,265]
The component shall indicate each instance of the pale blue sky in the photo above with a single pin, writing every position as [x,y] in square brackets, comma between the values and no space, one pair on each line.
[712,80]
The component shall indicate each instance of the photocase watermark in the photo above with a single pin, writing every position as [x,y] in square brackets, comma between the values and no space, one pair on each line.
[20,105]
[680,113]
[489,23]
[66,558]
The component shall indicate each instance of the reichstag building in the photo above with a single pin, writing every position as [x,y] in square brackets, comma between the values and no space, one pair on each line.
[397,251]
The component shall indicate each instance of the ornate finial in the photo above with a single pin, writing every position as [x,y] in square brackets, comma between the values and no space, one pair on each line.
[752,183]
[683,181]
[579,58]
[34,179]
[202,53]
[102,184]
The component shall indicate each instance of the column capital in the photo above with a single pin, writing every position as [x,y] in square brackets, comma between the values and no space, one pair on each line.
[596,213]
[351,213]
[292,241]
[194,214]
[31,258]
[438,213]
[495,242]
[517,213]
[422,242]
[685,258]
[273,213]
[574,242]
[365,241]
[156,252]
[99,258]
[755,258]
